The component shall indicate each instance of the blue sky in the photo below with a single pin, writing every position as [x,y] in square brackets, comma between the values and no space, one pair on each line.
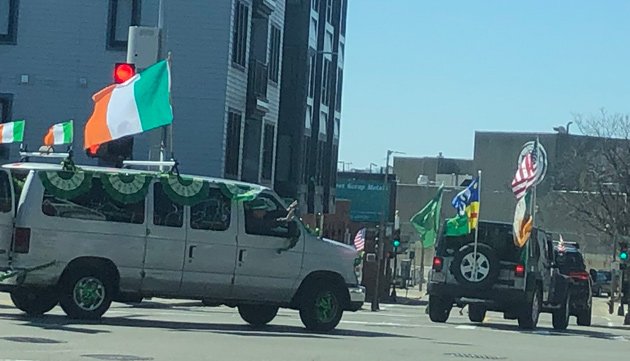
[421,76]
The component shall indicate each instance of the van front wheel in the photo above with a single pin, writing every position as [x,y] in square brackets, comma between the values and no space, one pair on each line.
[321,307]
[86,294]
[34,302]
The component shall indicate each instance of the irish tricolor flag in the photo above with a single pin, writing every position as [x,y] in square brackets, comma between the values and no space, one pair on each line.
[12,132]
[59,134]
[141,103]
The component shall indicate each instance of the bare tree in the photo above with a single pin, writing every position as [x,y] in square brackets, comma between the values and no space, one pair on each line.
[594,179]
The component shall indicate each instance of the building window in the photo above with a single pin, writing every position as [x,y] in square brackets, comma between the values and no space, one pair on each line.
[239,41]
[329,11]
[338,90]
[122,15]
[315,5]
[6,101]
[311,75]
[323,121]
[233,144]
[8,21]
[326,83]
[319,172]
[336,130]
[309,117]
[274,54]
[268,151]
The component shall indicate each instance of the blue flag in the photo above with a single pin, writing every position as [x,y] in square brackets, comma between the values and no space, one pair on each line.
[466,198]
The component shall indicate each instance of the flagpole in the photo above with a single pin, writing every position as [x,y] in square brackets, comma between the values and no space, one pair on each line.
[477,226]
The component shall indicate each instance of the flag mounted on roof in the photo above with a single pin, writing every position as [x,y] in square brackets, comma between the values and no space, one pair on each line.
[61,133]
[140,104]
[12,132]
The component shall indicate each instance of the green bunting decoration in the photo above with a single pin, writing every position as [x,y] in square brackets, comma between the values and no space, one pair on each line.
[66,184]
[239,192]
[185,191]
[126,188]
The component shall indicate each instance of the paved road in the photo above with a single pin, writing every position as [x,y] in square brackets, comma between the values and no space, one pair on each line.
[182,331]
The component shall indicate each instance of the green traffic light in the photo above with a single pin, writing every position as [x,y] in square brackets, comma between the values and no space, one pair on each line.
[396,243]
[623,256]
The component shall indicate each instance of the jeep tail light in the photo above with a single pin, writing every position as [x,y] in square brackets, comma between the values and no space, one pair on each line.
[21,240]
[438,263]
[519,270]
[579,276]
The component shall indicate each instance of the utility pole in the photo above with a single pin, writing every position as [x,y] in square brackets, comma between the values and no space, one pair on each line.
[382,233]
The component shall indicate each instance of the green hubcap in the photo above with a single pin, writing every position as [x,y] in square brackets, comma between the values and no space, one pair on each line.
[89,293]
[325,307]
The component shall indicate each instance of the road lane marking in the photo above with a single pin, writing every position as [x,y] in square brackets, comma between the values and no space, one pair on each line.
[466,327]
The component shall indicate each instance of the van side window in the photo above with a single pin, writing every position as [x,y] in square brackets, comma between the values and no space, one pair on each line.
[213,214]
[166,212]
[5,193]
[94,205]
[261,217]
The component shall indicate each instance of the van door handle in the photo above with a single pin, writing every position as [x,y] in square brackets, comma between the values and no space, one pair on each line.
[241,253]
[190,251]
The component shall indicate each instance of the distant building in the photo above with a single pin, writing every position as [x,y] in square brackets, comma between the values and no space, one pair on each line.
[310,104]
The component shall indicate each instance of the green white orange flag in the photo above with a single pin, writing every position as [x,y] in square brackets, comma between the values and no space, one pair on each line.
[12,132]
[140,104]
[60,133]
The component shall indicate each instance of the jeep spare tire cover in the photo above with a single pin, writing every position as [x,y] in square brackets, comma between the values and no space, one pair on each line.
[487,266]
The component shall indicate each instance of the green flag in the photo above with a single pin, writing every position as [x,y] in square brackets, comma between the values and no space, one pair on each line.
[457,226]
[427,221]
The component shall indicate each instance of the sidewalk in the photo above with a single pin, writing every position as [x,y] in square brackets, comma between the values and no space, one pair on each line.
[410,296]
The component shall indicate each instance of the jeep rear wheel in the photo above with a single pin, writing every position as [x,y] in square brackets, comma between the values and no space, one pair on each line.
[480,271]
[476,313]
[584,317]
[34,302]
[439,309]
[528,317]
[560,317]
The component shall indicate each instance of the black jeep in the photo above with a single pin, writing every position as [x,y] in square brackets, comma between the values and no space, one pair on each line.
[520,282]
[571,263]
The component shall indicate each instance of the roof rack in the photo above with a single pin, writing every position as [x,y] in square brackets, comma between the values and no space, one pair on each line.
[160,164]
[44,151]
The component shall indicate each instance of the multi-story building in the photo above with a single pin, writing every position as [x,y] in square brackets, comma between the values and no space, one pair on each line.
[310,105]
[227,61]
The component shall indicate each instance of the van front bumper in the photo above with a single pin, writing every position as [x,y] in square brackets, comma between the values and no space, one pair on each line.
[357,297]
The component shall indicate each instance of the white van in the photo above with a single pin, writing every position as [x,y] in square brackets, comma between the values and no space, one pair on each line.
[85,238]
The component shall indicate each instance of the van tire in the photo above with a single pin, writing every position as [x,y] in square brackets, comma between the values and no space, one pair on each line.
[90,286]
[321,307]
[257,315]
[34,302]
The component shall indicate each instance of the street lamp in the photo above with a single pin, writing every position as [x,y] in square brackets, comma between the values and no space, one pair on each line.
[381,237]
[372,164]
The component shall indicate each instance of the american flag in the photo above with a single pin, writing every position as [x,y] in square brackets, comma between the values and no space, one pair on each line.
[526,174]
[359,240]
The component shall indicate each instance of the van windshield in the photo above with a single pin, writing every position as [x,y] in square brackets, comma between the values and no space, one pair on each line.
[496,235]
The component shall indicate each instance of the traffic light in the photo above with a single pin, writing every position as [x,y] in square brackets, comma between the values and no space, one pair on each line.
[396,240]
[123,72]
[623,251]
[112,153]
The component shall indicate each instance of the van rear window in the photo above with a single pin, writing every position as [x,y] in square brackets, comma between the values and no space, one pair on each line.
[94,205]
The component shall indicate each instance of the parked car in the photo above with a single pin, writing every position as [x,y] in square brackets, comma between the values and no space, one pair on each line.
[602,282]
[519,282]
[571,263]
[102,234]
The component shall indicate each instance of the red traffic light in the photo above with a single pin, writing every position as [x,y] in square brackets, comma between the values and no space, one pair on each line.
[123,72]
